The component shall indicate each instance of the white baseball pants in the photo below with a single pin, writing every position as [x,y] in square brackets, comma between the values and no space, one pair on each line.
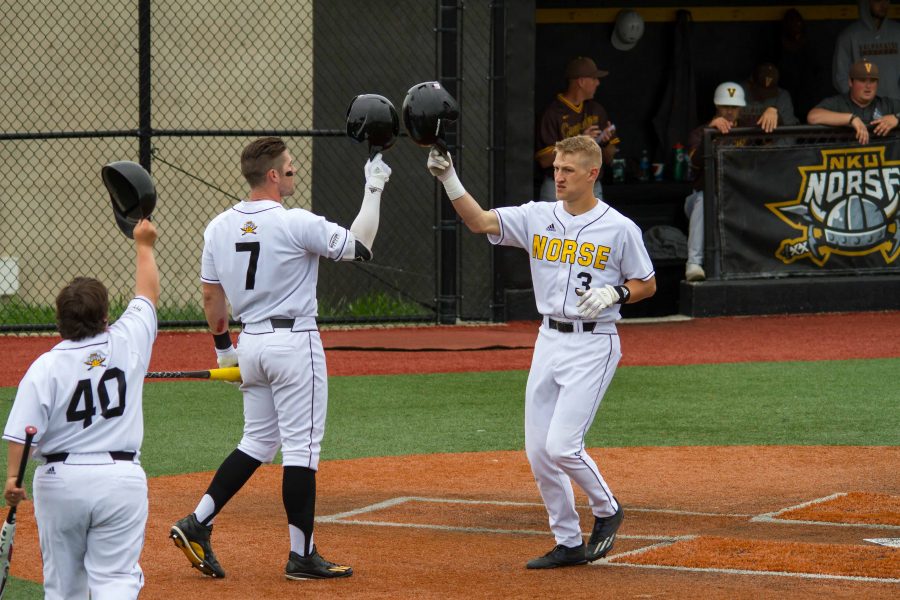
[91,520]
[285,395]
[569,375]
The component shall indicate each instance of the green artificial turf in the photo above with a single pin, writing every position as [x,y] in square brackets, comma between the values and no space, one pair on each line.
[192,426]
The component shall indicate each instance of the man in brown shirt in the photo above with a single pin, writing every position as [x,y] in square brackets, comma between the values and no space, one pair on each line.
[575,112]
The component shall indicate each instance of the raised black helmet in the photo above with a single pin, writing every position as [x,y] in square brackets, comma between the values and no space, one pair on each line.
[131,192]
[427,109]
[373,118]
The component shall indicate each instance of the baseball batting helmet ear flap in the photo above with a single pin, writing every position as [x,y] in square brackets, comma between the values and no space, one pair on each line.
[427,108]
[729,94]
[131,192]
[372,117]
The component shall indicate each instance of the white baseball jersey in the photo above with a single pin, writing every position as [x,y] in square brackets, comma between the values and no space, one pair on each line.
[567,252]
[249,248]
[86,395]
[571,369]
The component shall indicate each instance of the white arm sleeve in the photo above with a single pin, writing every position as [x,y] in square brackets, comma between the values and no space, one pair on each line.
[365,225]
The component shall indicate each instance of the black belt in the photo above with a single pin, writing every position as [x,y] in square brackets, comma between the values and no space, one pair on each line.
[565,327]
[279,324]
[62,456]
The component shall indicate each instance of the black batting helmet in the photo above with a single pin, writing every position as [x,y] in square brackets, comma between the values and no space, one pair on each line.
[131,192]
[372,117]
[426,110]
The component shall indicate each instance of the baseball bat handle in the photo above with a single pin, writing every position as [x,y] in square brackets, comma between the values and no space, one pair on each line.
[221,374]
[30,432]
[178,374]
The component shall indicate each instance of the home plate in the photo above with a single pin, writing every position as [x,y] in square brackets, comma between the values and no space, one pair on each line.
[889,542]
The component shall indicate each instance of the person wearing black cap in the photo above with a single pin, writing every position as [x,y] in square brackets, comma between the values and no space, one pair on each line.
[575,112]
[861,107]
[767,104]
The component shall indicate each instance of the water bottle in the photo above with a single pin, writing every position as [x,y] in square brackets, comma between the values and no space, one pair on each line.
[679,172]
[645,166]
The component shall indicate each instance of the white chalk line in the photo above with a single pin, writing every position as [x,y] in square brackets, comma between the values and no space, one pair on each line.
[344,518]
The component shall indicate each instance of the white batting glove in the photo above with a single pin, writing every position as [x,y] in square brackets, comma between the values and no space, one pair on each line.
[377,172]
[227,357]
[441,166]
[596,300]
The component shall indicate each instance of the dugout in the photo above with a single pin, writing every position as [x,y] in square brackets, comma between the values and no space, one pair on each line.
[726,41]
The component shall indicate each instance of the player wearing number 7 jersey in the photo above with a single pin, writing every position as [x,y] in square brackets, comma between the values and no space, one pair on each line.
[264,260]
[84,397]
[586,260]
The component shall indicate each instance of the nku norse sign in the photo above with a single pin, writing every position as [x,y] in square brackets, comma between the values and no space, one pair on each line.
[808,210]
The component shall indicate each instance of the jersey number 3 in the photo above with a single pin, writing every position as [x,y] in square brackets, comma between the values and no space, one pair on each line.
[83,390]
[253,249]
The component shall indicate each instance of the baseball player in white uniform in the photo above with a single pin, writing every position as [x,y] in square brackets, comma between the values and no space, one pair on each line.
[264,260]
[85,398]
[586,260]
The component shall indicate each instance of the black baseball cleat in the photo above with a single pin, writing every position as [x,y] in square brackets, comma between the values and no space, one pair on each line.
[603,535]
[560,556]
[314,567]
[192,537]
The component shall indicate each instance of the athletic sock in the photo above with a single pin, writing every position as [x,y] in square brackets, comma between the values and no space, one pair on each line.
[234,472]
[298,492]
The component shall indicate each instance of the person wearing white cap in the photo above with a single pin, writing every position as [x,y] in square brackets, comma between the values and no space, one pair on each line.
[575,112]
[729,100]
[628,30]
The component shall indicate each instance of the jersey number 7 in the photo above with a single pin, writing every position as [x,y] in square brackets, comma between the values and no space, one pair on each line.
[253,249]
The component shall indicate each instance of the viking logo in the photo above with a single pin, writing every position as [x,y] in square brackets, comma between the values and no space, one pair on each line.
[95,360]
[847,205]
[249,227]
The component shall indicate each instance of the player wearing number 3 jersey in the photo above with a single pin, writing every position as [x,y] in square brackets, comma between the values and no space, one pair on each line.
[264,260]
[586,260]
[84,397]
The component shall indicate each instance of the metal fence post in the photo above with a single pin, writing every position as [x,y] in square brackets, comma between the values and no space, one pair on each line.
[145,130]
[449,68]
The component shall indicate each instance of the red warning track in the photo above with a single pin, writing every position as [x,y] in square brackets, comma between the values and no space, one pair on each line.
[489,347]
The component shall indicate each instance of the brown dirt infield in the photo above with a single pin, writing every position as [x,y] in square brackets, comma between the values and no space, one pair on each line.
[462,525]
[470,521]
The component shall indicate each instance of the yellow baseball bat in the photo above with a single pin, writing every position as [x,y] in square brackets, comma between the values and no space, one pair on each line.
[226,374]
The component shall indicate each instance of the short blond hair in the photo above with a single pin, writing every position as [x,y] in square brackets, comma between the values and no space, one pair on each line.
[583,145]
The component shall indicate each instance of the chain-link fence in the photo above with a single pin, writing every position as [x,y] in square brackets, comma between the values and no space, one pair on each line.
[181,88]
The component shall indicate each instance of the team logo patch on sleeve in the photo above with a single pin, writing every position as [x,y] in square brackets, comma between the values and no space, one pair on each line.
[249,227]
[332,243]
[95,359]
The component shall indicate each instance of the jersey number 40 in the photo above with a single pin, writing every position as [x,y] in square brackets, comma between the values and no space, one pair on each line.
[84,392]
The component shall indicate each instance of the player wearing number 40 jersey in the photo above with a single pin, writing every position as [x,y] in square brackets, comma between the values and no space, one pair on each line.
[586,260]
[84,397]
[264,260]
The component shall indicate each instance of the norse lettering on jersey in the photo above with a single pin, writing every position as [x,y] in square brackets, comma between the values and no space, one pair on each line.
[568,251]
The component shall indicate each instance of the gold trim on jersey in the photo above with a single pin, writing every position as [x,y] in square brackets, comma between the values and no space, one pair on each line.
[555,249]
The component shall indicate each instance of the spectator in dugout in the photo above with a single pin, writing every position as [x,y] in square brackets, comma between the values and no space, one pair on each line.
[874,36]
[861,107]
[575,112]
[767,104]
[729,99]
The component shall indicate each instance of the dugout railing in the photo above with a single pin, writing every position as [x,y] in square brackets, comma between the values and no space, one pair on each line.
[801,201]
